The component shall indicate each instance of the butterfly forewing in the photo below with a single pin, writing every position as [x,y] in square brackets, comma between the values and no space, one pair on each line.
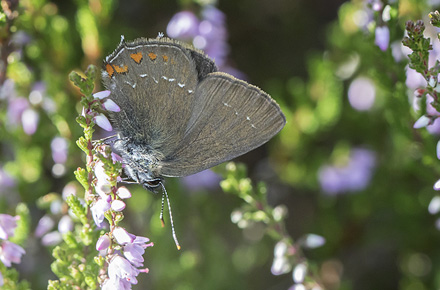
[154,82]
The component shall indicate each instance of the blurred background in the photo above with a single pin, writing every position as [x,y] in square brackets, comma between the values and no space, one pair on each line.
[348,166]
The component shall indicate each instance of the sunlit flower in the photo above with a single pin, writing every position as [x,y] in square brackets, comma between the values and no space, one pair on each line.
[134,251]
[120,268]
[122,236]
[99,208]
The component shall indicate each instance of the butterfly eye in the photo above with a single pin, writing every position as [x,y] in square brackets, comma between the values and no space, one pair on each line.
[153,183]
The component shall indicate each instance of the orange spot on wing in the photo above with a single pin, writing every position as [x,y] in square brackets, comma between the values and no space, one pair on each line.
[165,58]
[152,56]
[109,69]
[137,57]
[120,69]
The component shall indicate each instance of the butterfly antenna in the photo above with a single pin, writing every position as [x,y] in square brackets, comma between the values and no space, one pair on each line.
[171,215]
[161,210]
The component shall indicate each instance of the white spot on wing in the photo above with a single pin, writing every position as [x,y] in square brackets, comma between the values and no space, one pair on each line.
[132,85]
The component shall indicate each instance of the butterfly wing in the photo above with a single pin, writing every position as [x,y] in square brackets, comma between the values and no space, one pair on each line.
[229,118]
[154,81]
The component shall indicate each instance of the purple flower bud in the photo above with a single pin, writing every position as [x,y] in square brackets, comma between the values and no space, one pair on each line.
[16,107]
[438,150]
[101,95]
[59,148]
[377,5]
[118,205]
[103,243]
[361,94]
[214,15]
[434,205]
[120,268]
[313,241]
[8,224]
[123,192]
[111,284]
[382,37]
[98,210]
[10,253]
[102,121]
[299,273]
[354,176]
[65,224]
[437,185]
[122,236]
[45,224]
[280,266]
[134,251]
[69,189]
[29,119]
[7,90]
[183,24]
[52,238]
[5,179]
[206,179]
[116,158]
[56,206]
[423,121]
[109,105]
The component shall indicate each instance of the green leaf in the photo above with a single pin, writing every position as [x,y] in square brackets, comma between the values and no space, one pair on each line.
[82,144]
[77,208]
[82,176]
[23,224]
